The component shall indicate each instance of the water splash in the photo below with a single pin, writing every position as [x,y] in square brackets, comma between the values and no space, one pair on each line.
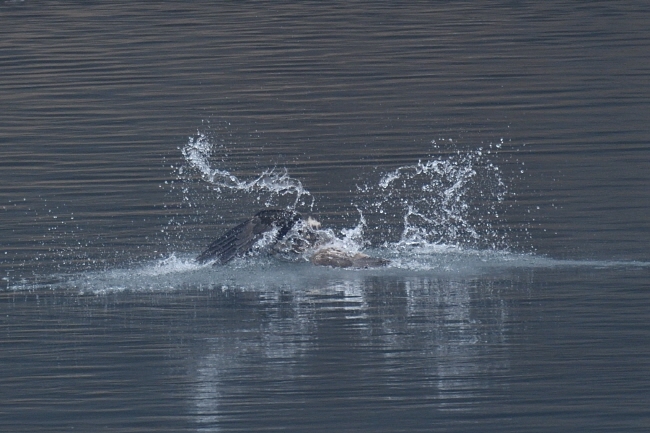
[181,272]
[198,153]
[453,199]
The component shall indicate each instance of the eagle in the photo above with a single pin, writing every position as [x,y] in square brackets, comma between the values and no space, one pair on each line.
[287,234]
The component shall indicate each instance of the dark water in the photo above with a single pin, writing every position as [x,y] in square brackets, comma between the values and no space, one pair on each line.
[522,307]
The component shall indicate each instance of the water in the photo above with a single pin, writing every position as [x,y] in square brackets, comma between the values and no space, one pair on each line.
[495,152]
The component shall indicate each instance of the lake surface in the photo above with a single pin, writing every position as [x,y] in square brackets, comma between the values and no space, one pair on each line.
[496,153]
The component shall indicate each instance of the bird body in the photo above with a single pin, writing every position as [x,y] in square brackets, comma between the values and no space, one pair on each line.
[339,258]
[289,236]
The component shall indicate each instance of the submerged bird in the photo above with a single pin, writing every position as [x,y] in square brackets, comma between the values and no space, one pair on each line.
[287,234]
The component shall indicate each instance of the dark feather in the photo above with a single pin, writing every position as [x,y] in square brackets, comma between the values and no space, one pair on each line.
[240,239]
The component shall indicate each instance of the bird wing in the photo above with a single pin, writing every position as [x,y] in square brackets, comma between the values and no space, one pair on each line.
[240,239]
[235,241]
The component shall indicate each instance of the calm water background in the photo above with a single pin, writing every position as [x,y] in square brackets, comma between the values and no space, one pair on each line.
[98,99]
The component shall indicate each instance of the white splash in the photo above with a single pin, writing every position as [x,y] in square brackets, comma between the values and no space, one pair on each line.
[447,200]
[198,152]
[168,265]
[452,199]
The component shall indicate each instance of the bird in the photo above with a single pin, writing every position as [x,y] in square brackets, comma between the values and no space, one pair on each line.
[288,235]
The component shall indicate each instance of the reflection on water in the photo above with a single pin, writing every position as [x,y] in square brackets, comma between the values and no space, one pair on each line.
[300,347]
[447,339]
